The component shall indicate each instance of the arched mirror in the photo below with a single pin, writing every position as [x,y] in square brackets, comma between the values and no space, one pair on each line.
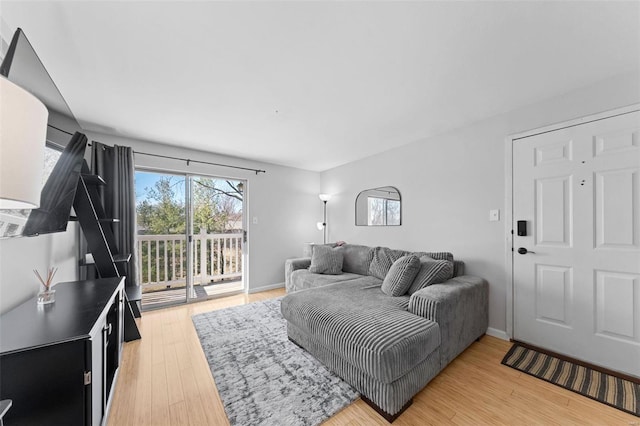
[379,207]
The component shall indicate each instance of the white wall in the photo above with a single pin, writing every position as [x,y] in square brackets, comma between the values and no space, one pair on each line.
[19,256]
[284,200]
[450,182]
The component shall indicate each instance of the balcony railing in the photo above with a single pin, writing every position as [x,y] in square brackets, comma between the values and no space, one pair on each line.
[162,259]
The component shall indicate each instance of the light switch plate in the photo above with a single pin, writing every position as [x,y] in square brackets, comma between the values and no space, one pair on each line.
[494,215]
[255,220]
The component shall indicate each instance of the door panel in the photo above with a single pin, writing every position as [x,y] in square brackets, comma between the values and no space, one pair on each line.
[553,211]
[617,301]
[161,240]
[616,211]
[557,152]
[217,229]
[623,141]
[577,288]
[554,292]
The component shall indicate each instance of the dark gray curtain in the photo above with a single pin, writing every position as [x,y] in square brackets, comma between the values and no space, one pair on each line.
[115,165]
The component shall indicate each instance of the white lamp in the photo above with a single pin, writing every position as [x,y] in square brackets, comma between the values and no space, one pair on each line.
[322,226]
[23,133]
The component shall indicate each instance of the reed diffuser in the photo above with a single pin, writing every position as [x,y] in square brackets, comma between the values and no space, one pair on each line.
[48,294]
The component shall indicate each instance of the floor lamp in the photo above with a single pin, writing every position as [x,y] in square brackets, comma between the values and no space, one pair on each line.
[323,225]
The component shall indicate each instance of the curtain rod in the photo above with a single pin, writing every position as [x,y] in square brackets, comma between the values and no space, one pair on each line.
[201,162]
[181,159]
[59,129]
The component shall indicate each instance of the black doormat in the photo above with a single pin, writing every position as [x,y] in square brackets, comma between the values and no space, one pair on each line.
[616,392]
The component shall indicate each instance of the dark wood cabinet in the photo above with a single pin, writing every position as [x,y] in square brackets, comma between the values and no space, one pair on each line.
[59,362]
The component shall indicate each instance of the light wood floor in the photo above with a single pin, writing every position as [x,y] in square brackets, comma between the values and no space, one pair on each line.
[164,379]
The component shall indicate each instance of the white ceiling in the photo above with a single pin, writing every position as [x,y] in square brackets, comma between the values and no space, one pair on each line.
[317,84]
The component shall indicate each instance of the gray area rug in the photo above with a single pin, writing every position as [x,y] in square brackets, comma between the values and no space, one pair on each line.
[261,376]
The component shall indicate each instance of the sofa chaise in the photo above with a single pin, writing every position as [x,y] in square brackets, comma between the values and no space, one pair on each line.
[386,346]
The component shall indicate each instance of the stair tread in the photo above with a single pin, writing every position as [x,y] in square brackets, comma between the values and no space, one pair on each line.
[122,257]
[134,293]
[93,179]
[105,219]
[117,258]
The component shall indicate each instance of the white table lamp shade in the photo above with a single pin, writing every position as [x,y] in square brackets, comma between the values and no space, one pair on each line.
[23,133]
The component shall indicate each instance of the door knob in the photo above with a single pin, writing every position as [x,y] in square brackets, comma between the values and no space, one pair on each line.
[523,250]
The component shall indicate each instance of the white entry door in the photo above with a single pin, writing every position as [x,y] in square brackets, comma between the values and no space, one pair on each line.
[576,272]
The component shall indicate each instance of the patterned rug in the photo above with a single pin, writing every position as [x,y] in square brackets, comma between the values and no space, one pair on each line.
[261,376]
[619,393]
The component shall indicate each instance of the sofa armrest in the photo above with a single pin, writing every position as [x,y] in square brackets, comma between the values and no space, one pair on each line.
[460,306]
[291,265]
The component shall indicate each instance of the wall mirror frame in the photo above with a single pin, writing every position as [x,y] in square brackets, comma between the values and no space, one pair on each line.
[379,207]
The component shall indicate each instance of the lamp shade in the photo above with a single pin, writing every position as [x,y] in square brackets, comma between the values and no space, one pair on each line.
[324,197]
[23,132]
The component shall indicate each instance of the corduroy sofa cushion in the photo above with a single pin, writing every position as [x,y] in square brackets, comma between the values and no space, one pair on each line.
[383,258]
[431,271]
[302,279]
[376,335]
[401,276]
[326,260]
[357,258]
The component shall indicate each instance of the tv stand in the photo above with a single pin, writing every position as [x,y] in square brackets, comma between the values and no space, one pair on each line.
[59,363]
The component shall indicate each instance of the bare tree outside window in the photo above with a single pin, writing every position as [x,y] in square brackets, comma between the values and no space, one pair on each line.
[383,211]
[393,212]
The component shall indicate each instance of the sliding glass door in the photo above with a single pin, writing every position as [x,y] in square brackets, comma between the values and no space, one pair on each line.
[161,237]
[190,237]
[217,232]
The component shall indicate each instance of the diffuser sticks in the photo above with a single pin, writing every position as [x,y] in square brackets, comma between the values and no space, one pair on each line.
[51,272]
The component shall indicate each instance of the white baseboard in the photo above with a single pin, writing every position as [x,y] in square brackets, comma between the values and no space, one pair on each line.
[498,333]
[265,288]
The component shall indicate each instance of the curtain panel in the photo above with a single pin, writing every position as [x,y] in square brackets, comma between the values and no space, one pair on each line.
[116,166]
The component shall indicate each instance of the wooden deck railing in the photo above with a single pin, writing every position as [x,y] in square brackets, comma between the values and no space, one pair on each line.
[162,259]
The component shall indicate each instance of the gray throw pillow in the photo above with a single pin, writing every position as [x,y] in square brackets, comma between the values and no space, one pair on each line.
[431,271]
[437,255]
[326,260]
[400,276]
[357,258]
[383,258]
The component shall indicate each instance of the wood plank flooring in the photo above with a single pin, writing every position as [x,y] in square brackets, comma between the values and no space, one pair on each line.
[164,379]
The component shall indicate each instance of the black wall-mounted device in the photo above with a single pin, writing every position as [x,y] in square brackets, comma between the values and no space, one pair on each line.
[522,228]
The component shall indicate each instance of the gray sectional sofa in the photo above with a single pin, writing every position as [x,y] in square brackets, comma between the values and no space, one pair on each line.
[387,347]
